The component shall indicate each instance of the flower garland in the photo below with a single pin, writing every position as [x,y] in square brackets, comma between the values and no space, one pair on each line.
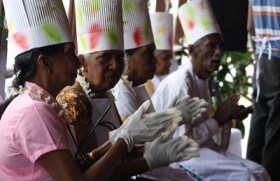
[59,109]
[86,87]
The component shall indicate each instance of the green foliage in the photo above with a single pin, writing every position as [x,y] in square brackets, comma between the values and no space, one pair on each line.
[234,77]
[2,17]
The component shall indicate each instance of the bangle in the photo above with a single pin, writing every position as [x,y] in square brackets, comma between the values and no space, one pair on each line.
[91,155]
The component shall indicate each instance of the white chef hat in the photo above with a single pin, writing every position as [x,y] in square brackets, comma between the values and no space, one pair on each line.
[99,25]
[197,20]
[162,26]
[34,24]
[137,24]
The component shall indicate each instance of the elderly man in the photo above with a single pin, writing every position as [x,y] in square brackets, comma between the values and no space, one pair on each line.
[205,47]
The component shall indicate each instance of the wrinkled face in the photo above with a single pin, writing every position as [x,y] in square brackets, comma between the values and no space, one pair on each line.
[163,61]
[206,55]
[64,67]
[103,69]
[141,65]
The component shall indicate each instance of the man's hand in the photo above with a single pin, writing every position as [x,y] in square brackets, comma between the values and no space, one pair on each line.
[242,112]
[227,110]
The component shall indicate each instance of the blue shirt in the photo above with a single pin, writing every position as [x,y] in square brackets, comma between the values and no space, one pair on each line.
[267,23]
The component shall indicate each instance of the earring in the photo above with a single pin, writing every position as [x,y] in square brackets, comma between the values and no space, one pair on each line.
[82,68]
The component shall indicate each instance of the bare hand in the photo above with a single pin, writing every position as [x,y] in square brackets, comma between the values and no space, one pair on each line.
[227,110]
[242,112]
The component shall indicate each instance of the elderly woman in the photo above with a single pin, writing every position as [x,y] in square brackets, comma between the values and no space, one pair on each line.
[86,101]
[34,129]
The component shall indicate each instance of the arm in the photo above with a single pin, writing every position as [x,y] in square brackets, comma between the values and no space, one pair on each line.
[250,25]
[203,131]
[130,168]
[126,101]
[163,98]
[103,168]
[61,165]
[226,111]
[206,127]
[163,151]
[167,92]
[35,138]
[136,152]
[100,151]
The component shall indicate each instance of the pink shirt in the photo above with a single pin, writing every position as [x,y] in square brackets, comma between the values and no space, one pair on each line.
[29,128]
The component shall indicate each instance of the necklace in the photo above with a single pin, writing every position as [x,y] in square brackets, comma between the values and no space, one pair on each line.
[86,87]
[59,109]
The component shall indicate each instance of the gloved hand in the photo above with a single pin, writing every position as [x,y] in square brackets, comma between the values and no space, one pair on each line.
[192,108]
[165,149]
[140,127]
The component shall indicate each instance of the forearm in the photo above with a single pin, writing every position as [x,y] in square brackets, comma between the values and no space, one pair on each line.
[130,168]
[101,150]
[250,26]
[203,131]
[104,167]
[61,165]
[136,152]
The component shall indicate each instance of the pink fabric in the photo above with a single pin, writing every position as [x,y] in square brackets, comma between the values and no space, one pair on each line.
[29,129]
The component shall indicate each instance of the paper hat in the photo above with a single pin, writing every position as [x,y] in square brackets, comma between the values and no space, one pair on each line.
[34,24]
[197,20]
[99,25]
[162,26]
[137,24]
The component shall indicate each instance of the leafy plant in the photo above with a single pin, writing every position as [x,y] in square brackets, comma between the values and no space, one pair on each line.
[2,18]
[235,77]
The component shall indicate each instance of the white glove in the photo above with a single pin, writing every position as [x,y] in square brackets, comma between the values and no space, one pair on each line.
[192,108]
[165,149]
[140,127]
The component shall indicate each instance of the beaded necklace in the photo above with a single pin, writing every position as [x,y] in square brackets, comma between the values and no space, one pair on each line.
[86,87]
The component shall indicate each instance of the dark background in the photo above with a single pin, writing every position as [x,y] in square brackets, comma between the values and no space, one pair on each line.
[232,19]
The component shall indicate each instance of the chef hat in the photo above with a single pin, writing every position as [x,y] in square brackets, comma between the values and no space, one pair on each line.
[162,26]
[137,24]
[99,25]
[34,24]
[197,20]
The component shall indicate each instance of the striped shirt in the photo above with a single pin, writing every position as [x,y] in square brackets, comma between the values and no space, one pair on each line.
[267,23]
